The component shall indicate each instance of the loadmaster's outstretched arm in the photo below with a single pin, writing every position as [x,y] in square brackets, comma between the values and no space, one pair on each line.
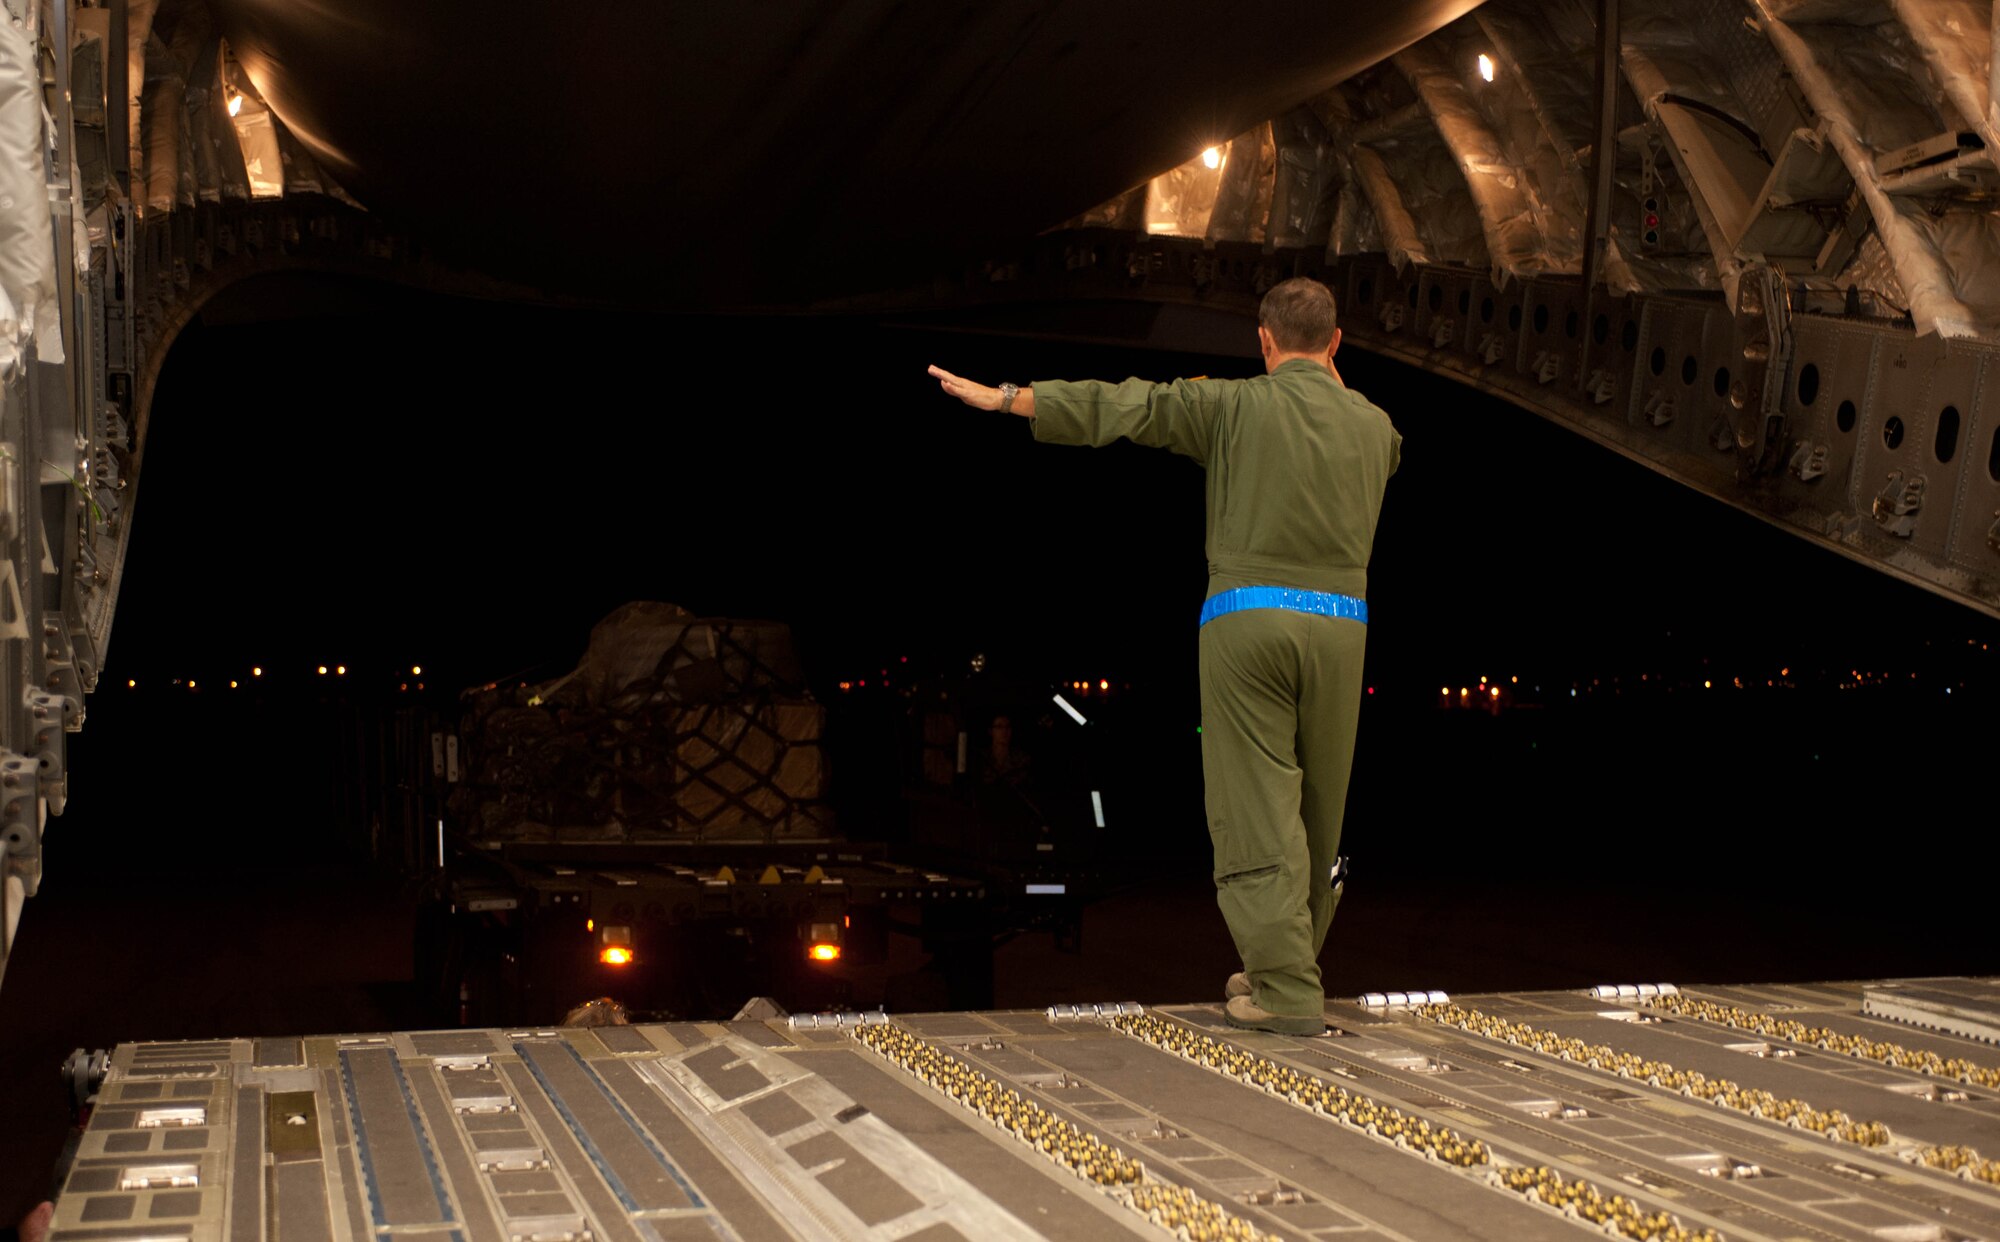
[1180,416]
[980,397]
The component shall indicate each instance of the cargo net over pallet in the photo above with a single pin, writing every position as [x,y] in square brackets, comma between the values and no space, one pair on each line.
[673,728]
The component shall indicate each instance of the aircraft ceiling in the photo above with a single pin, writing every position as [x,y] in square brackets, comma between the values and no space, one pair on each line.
[732,154]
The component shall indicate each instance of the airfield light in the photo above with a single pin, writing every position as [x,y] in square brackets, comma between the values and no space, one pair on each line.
[416,670]
[824,952]
[615,955]
[1212,158]
[1485,66]
[1496,692]
[1073,713]
[322,670]
[232,685]
[257,672]
[342,670]
[130,684]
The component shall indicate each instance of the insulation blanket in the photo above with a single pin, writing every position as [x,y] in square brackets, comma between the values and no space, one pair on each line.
[27,239]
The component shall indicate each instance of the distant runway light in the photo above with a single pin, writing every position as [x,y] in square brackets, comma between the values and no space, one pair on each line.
[416,670]
[1212,158]
[257,672]
[1486,66]
[342,670]
[322,670]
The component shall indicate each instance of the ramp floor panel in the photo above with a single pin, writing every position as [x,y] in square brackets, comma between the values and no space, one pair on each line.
[1784,1112]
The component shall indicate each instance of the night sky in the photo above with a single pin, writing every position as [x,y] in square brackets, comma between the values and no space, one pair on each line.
[410,478]
[386,479]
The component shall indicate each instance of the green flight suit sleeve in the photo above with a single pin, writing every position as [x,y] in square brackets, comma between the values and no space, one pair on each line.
[1178,416]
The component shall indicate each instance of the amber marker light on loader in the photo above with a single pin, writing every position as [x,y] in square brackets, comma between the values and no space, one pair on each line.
[614,946]
[822,941]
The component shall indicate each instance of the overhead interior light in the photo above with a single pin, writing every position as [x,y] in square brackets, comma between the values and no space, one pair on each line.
[1212,158]
[1486,66]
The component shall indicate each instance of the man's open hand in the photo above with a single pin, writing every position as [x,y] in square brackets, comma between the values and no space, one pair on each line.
[978,396]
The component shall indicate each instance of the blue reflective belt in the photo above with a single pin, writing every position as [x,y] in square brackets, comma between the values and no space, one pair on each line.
[1319,603]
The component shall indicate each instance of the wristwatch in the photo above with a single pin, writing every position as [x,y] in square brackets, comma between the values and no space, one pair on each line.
[1007,394]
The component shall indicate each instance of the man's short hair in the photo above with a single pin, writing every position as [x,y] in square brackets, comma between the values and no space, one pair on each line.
[1299,314]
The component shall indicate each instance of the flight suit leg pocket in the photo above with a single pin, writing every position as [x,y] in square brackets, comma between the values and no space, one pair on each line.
[1246,871]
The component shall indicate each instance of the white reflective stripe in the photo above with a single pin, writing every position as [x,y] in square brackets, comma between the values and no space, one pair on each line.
[1073,713]
[1047,890]
[1097,806]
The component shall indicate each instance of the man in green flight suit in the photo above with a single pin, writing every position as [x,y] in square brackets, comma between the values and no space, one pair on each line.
[1297,465]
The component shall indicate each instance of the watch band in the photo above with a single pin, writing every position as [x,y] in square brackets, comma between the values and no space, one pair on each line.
[1007,394]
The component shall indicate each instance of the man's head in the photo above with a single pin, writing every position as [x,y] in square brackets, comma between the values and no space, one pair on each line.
[1296,319]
